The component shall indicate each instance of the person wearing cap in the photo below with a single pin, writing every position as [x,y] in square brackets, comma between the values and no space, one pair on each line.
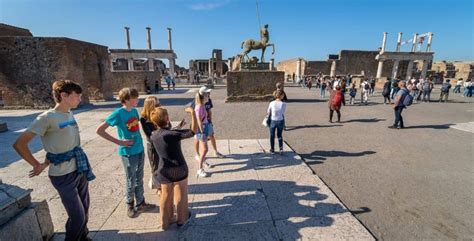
[208,105]
[202,133]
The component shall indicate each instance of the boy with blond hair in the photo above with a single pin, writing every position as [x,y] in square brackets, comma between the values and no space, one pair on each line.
[131,151]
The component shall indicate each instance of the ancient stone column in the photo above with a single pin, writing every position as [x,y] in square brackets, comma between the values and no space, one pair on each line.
[148,37]
[395,69]
[399,41]
[409,69]
[384,42]
[127,34]
[271,64]
[379,69]
[428,46]
[170,44]
[298,69]
[333,68]
[424,69]
[151,64]
[415,37]
[130,65]
[171,68]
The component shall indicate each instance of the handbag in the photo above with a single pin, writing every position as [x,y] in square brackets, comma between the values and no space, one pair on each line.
[267,120]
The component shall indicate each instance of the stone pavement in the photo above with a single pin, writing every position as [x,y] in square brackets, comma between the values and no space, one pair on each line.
[251,195]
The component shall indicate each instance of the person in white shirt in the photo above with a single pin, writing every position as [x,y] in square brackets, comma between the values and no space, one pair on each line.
[365,88]
[457,87]
[276,112]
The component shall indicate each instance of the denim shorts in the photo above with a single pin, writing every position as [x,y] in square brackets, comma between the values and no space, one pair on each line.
[203,136]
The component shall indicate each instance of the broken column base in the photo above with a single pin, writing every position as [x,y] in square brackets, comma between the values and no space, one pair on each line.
[20,219]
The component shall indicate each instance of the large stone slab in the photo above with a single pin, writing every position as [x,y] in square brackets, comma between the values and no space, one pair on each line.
[13,200]
[258,231]
[24,227]
[252,85]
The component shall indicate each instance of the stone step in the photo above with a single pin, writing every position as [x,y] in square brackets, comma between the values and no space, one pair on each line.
[12,201]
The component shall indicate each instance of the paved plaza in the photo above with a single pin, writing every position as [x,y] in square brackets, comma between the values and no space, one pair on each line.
[355,180]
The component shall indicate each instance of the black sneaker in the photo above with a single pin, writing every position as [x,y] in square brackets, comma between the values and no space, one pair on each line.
[144,207]
[131,213]
[185,222]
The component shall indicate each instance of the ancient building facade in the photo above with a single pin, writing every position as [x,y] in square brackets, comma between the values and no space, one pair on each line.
[29,65]
[215,65]
[454,69]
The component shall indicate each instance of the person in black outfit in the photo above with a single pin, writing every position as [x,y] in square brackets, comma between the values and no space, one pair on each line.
[172,171]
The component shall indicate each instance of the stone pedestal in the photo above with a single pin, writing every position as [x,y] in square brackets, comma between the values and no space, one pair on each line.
[255,85]
[3,127]
[20,219]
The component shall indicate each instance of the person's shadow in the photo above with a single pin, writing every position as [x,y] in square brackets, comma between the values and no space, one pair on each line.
[318,156]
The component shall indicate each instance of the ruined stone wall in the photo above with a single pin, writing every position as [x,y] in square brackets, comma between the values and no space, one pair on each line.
[7,30]
[315,67]
[289,67]
[29,66]
[244,85]
[135,79]
[355,61]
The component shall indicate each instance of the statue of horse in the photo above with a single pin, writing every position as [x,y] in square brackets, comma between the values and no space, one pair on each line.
[250,44]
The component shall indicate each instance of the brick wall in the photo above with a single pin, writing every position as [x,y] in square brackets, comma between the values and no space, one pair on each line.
[135,79]
[259,84]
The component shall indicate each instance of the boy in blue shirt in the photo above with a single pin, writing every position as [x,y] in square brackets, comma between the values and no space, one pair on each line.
[131,151]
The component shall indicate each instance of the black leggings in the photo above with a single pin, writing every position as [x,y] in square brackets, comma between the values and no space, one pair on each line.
[331,112]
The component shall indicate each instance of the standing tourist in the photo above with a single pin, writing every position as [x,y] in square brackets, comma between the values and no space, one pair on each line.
[71,172]
[336,99]
[365,88]
[202,134]
[276,111]
[352,93]
[130,148]
[445,91]
[172,172]
[151,102]
[386,92]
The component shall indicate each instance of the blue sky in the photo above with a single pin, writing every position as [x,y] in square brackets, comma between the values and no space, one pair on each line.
[308,29]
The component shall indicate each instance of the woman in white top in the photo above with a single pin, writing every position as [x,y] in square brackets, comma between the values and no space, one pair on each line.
[276,111]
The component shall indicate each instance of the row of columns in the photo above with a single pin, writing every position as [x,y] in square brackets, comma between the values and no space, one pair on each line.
[151,65]
[396,63]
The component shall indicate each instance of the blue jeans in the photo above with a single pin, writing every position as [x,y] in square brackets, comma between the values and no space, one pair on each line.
[133,166]
[73,189]
[323,92]
[398,117]
[278,125]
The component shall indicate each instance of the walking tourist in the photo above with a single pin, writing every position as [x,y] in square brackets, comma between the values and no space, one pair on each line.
[399,105]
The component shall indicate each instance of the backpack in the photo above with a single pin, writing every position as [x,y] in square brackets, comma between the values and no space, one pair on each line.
[408,100]
[445,88]
[366,86]
[337,99]
[426,86]
[353,93]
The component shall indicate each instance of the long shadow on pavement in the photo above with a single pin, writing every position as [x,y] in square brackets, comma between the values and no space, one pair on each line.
[292,128]
[439,127]
[364,120]
[315,156]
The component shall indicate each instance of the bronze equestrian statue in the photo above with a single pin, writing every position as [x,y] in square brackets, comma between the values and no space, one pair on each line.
[250,44]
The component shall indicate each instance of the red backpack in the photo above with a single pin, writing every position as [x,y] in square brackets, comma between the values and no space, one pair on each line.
[337,99]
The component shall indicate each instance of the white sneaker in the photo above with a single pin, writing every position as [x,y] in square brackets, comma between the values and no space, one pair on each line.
[202,173]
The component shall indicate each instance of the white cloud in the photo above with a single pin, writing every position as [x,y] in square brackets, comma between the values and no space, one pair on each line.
[208,6]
